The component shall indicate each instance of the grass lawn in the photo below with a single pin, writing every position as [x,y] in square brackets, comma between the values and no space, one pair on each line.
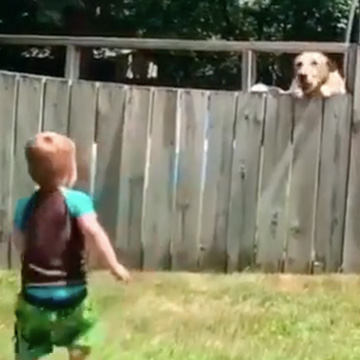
[218,317]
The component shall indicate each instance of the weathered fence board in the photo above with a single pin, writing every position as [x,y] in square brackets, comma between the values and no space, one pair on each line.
[215,201]
[159,193]
[272,208]
[244,184]
[28,123]
[132,175]
[8,91]
[110,115]
[303,186]
[192,116]
[334,161]
[82,119]
[56,106]
[351,250]
[257,182]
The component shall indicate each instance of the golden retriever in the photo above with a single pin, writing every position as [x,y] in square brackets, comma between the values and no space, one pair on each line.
[316,76]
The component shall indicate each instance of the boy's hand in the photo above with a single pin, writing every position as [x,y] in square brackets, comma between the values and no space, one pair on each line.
[121,273]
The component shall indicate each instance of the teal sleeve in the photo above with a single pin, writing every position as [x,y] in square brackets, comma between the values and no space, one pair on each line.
[19,215]
[79,203]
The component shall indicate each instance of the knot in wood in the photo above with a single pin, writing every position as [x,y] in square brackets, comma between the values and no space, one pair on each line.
[295,229]
[202,247]
[355,126]
[275,218]
[242,171]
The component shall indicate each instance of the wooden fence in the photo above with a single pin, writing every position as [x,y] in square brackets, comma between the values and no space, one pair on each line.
[197,180]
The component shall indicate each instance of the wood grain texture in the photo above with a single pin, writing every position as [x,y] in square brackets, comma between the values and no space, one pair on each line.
[132,175]
[334,162]
[304,184]
[8,90]
[188,185]
[272,208]
[82,120]
[351,250]
[56,106]
[28,123]
[159,189]
[244,184]
[215,201]
[110,119]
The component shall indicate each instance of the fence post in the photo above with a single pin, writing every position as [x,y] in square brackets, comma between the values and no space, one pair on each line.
[248,69]
[72,62]
[350,67]
[351,241]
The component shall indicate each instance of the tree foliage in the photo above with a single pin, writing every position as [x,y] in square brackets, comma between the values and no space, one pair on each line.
[288,20]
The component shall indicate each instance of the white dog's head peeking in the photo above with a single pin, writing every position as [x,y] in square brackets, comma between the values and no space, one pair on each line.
[312,70]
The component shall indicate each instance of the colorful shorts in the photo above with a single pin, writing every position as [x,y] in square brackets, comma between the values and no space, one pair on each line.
[38,330]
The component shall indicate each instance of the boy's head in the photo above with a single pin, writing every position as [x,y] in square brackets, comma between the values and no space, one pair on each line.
[51,160]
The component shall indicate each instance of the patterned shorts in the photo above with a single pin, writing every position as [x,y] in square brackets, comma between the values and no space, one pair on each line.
[38,330]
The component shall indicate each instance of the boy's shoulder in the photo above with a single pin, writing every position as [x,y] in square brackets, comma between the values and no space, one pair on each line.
[75,194]
[78,202]
[22,202]
[21,209]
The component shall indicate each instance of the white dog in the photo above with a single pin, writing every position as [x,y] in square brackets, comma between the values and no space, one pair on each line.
[316,76]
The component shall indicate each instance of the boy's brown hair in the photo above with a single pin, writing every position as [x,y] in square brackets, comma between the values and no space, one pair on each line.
[51,160]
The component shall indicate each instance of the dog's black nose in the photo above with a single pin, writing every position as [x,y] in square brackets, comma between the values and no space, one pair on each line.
[302,78]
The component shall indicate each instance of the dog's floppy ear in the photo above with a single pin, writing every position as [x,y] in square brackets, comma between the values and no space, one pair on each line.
[331,64]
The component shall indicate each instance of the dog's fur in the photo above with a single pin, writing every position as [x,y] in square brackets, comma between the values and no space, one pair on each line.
[316,76]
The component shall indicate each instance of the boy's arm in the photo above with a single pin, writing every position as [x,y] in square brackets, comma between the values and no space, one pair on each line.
[95,233]
[17,238]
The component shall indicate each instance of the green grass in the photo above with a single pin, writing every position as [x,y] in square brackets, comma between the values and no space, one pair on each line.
[218,317]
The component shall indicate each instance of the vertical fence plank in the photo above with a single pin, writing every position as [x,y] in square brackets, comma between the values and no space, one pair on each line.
[193,115]
[82,120]
[351,251]
[334,161]
[56,105]
[132,175]
[159,194]
[303,187]
[110,115]
[215,201]
[274,183]
[28,123]
[244,185]
[8,90]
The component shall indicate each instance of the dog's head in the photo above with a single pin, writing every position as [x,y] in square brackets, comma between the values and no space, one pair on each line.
[312,69]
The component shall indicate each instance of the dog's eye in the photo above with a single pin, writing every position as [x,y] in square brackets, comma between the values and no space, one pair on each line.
[314,63]
[298,64]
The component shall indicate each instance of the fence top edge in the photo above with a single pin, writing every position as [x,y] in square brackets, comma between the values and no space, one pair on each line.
[122,86]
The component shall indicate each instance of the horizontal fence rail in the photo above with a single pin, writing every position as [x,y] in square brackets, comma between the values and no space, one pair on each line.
[175,44]
[196,180]
[248,50]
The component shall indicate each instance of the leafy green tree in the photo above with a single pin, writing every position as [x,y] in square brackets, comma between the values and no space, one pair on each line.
[288,20]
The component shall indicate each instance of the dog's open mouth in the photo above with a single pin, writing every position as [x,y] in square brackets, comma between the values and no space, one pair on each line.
[305,85]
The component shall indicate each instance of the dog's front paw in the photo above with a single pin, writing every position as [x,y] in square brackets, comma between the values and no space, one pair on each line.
[326,91]
[298,93]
